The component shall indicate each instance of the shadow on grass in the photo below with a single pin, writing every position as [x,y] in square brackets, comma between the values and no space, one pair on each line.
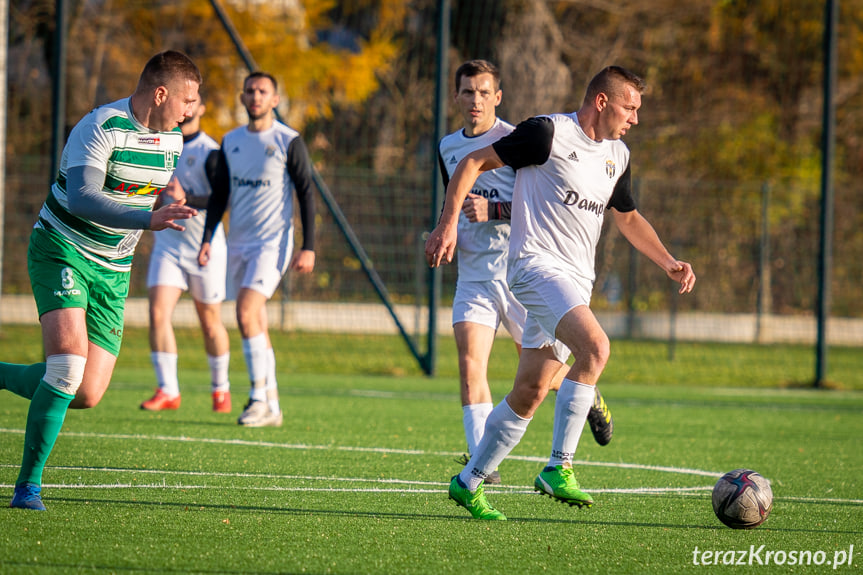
[715,402]
[192,423]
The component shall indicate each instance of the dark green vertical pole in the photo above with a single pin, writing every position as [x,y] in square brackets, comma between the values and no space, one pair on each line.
[241,48]
[764,303]
[825,261]
[58,94]
[330,200]
[444,9]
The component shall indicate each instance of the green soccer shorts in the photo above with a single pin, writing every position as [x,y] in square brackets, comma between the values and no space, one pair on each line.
[63,278]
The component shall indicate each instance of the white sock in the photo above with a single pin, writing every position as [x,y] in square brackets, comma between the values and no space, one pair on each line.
[165,365]
[570,412]
[272,386]
[503,430]
[255,352]
[219,371]
[473,417]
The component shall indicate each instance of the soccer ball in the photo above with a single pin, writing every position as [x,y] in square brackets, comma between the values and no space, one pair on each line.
[742,499]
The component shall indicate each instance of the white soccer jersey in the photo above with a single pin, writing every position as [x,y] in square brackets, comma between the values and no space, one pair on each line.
[138,163]
[192,175]
[261,197]
[482,246]
[564,182]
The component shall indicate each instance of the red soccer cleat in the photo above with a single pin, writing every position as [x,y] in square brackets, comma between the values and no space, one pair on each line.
[222,401]
[161,401]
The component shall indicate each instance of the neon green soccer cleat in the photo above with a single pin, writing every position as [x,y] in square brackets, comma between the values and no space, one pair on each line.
[474,502]
[559,483]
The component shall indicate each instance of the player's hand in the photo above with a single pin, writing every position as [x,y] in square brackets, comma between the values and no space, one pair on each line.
[475,207]
[683,275]
[303,261]
[440,245]
[164,217]
[204,254]
[173,192]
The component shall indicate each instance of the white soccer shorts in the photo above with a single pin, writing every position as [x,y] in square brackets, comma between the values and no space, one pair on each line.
[488,303]
[172,268]
[257,267]
[548,295]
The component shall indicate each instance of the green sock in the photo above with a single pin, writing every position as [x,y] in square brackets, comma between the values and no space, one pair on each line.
[21,379]
[44,421]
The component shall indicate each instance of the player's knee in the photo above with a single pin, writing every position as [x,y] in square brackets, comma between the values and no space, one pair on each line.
[473,366]
[65,372]
[214,332]
[158,316]
[599,351]
[85,400]
[247,319]
[210,320]
[526,395]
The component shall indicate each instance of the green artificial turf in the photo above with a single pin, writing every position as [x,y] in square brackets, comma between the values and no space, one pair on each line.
[355,480]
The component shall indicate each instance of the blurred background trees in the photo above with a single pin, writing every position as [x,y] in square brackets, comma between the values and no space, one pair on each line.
[733,112]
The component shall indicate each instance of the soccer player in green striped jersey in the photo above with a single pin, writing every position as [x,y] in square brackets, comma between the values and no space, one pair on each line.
[115,163]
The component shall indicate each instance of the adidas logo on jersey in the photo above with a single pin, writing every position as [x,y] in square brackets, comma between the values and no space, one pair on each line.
[453,160]
[572,156]
[236,150]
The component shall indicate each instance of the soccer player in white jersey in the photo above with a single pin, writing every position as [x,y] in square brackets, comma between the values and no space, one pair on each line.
[174,269]
[570,169]
[482,298]
[260,167]
[116,161]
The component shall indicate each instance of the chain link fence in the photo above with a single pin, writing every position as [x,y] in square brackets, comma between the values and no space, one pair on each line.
[751,233]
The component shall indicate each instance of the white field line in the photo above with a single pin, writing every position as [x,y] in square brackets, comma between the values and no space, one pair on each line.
[387,450]
[433,487]
[234,475]
[440,486]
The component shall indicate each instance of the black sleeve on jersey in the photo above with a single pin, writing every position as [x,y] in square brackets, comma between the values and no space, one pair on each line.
[500,211]
[621,198]
[300,171]
[220,182]
[444,175]
[528,145]
[444,178]
[211,164]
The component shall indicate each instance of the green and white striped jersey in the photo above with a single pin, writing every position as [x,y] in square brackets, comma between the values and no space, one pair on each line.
[138,163]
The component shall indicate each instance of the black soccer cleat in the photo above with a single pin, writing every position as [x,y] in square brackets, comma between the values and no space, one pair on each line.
[600,420]
[493,478]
